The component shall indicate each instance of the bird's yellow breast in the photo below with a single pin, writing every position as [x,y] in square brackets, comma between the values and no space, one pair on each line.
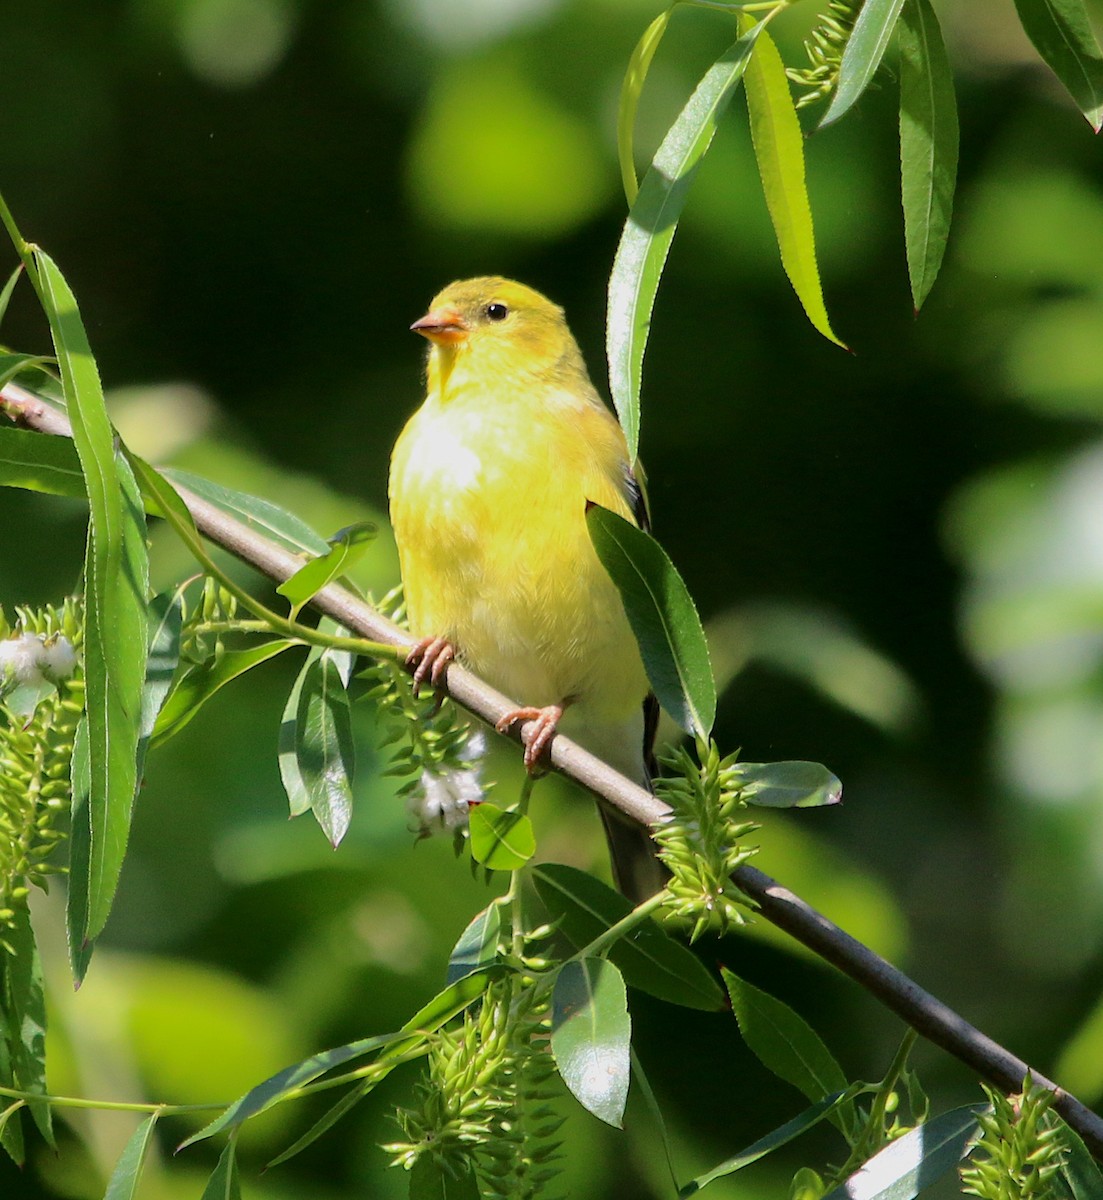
[488,501]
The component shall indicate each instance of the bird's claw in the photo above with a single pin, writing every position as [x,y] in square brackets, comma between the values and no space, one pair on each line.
[540,727]
[429,659]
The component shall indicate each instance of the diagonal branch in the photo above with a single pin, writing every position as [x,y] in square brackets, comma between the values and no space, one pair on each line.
[926,1013]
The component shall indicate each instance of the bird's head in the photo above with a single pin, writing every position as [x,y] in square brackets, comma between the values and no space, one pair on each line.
[496,328]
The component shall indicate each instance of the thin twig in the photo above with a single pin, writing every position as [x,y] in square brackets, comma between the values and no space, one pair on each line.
[924,1012]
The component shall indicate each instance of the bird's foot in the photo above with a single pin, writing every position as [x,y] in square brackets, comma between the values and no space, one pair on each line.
[428,660]
[541,724]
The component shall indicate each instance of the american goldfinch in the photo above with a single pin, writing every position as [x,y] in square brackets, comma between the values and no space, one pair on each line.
[489,485]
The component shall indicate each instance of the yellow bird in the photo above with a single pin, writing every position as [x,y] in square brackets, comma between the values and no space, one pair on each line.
[489,485]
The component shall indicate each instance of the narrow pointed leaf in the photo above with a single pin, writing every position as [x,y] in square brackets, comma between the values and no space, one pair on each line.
[649,230]
[591,1035]
[652,1102]
[500,840]
[288,1081]
[324,1123]
[268,518]
[785,1043]
[345,548]
[12,365]
[865,48]
[913,1162]
[80,840]
[325,751]
[9,288]
[779,151]
[478,944]
[116,582]
[650,959]
[224,1183]
[928,144]
[766,1145]
[298,794]
[1079,1170]
[24,1003]
[11,1130]
[638,66]
[1062,34]
[123,1184]
[199,683]
[166,613]
[663,618]
[39,462]
[788,784]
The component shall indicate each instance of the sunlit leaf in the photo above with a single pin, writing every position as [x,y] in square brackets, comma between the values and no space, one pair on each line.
[779,150]
[224,1183]
[8,289]
[914,1161]
[345,548]
[663,618]
[40,463]
[638,65]
[862,56]
[478,944]
[501,840]
[1062,34]
[650,227]
[123,1184]
[785,1043]
[766,1145]
[264,516]
[286,1082]
[788,784]
[198,684]
[591,1035]
[80,838]
[325,750]
[650,959]
[928,144]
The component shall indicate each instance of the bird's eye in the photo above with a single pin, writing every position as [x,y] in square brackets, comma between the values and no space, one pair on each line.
[496,311]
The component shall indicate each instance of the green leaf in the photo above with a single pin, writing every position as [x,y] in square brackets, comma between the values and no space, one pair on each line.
[766,1145]
[325,751]
[591,1036]
[224,1183]
[478,944]
[123,1184]
[284,1084]
[1062,34]
[40,462]
[652,1103]
[663,618]
[116,581]
[6,294]
[24,1003]
[638,66]
[12,365]
[198,684]
[913,1162]
[345,548]
[865,48]
[500,840]
[649,230]
[650,959]
[1079,1170]
[779,150]
[785,1043]
[928,144]
[11,1130]
[80,845]
[277,523]
[430,1181]
[788,784]
[298,794]
[441,1009]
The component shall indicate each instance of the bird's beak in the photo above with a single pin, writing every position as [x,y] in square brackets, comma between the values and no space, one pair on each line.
[445,326]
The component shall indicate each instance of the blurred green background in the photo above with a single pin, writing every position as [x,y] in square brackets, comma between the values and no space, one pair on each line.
[899,552]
